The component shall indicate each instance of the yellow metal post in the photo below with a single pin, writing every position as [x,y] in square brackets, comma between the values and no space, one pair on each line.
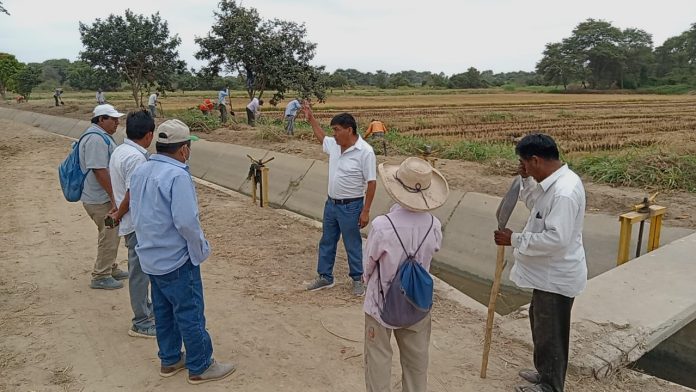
[624,239]
[656,215]
[264,187]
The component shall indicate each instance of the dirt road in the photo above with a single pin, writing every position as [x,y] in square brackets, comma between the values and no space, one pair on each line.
[57,334]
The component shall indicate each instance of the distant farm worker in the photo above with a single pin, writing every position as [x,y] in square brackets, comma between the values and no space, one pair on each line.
[206,107]
[253,111]
[125,159]
[171,247]
[549,256]
[152,104]
[57,96]
[375,132]
[101,98]
[222,103]
[408,229]
[97,194]
[290,113]
[352,184]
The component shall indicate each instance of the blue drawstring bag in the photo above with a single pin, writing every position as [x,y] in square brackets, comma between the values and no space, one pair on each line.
[410,296]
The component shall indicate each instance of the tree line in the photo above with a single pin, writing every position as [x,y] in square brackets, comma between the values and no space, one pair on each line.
[247,52]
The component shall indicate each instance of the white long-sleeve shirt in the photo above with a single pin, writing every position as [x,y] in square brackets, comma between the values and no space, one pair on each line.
[549,253]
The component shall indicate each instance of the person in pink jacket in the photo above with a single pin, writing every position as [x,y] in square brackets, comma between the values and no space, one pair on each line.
[416,188]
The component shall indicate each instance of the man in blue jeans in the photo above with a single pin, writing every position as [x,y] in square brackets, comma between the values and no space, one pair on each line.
[352,184]
[171,246]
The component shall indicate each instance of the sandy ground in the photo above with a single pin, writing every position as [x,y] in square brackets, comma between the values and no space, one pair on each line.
[56,334]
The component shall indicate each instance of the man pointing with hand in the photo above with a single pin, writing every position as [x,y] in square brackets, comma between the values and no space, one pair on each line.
[352,183]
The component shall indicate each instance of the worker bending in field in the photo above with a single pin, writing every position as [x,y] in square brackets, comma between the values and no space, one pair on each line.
[376,132]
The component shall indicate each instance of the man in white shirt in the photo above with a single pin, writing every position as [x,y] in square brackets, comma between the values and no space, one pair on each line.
[253,110]
[549,256]
[152,104]
[125,159]
[352,184]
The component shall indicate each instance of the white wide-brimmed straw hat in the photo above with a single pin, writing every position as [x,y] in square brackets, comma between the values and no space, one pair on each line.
[414,184]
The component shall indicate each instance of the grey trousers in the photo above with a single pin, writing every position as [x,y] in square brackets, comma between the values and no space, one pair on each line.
[138,281]
[290,127]
[107,245]
[153,111]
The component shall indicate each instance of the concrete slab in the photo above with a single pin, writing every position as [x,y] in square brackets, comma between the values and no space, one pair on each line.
[229,164]
[25,117]
[43,121]
[285,172]
[629,310]
[468,238]
[78,129]
[309,198]
[61,125]
[7,113]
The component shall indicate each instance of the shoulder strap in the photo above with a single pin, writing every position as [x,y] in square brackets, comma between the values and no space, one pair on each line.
[432,220]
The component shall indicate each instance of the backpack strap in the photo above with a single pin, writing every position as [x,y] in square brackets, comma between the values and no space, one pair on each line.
[105,138]
[379,278]
[432,220]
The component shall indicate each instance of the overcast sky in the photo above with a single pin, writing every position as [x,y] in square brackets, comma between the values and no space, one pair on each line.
[392,35]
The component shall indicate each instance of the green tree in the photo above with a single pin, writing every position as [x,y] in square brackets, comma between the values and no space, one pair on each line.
[82,76]
[270,54]
[557,66]
[675,59]
[9,67]
[596,44]
[137,48]
[381,79]
[26,79]
[637,58]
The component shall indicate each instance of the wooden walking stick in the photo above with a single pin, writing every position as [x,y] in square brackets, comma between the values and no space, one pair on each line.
[507,205]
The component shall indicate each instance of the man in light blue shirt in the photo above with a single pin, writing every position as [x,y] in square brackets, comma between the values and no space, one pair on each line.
[171,247]
[290,114]
[222,103]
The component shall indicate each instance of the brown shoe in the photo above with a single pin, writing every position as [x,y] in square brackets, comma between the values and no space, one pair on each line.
[530,375]
[168,371]
[216,371]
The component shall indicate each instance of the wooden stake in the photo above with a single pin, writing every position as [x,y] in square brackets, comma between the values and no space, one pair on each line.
[499,265]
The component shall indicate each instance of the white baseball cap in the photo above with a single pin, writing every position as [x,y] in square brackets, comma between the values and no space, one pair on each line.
[174,131]
[106,110]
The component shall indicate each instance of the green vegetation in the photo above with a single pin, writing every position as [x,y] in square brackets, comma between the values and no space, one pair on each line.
[197,121]
[640,168]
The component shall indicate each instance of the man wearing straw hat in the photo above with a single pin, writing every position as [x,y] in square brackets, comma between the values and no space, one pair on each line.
[408,227]
[352,184]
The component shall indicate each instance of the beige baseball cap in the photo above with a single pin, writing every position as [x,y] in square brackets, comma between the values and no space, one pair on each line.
[174,131]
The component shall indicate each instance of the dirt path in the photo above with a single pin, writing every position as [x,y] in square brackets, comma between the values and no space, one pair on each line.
[56,334]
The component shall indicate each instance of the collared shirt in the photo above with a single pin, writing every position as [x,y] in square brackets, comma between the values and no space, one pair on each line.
[292,108]
[222,94]
[125,159]
[165,215]
[94,154]
[350,171]
[549,253]
[101,98]
[152,101]
[375,127]
[254,105]
[383,247]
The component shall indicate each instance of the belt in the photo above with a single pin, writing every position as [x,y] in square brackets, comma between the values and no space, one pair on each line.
[344,201]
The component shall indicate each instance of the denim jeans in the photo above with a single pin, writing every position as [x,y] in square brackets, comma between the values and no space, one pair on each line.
[341,220]
[290,126]
[153,111]
[138,287]
[178,301]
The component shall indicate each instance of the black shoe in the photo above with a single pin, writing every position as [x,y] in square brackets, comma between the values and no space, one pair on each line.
[530,375]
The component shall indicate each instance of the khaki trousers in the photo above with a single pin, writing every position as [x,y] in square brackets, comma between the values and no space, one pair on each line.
[107,243]
[413,342]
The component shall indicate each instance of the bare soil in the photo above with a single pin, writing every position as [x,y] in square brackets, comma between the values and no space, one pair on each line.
[57,334]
